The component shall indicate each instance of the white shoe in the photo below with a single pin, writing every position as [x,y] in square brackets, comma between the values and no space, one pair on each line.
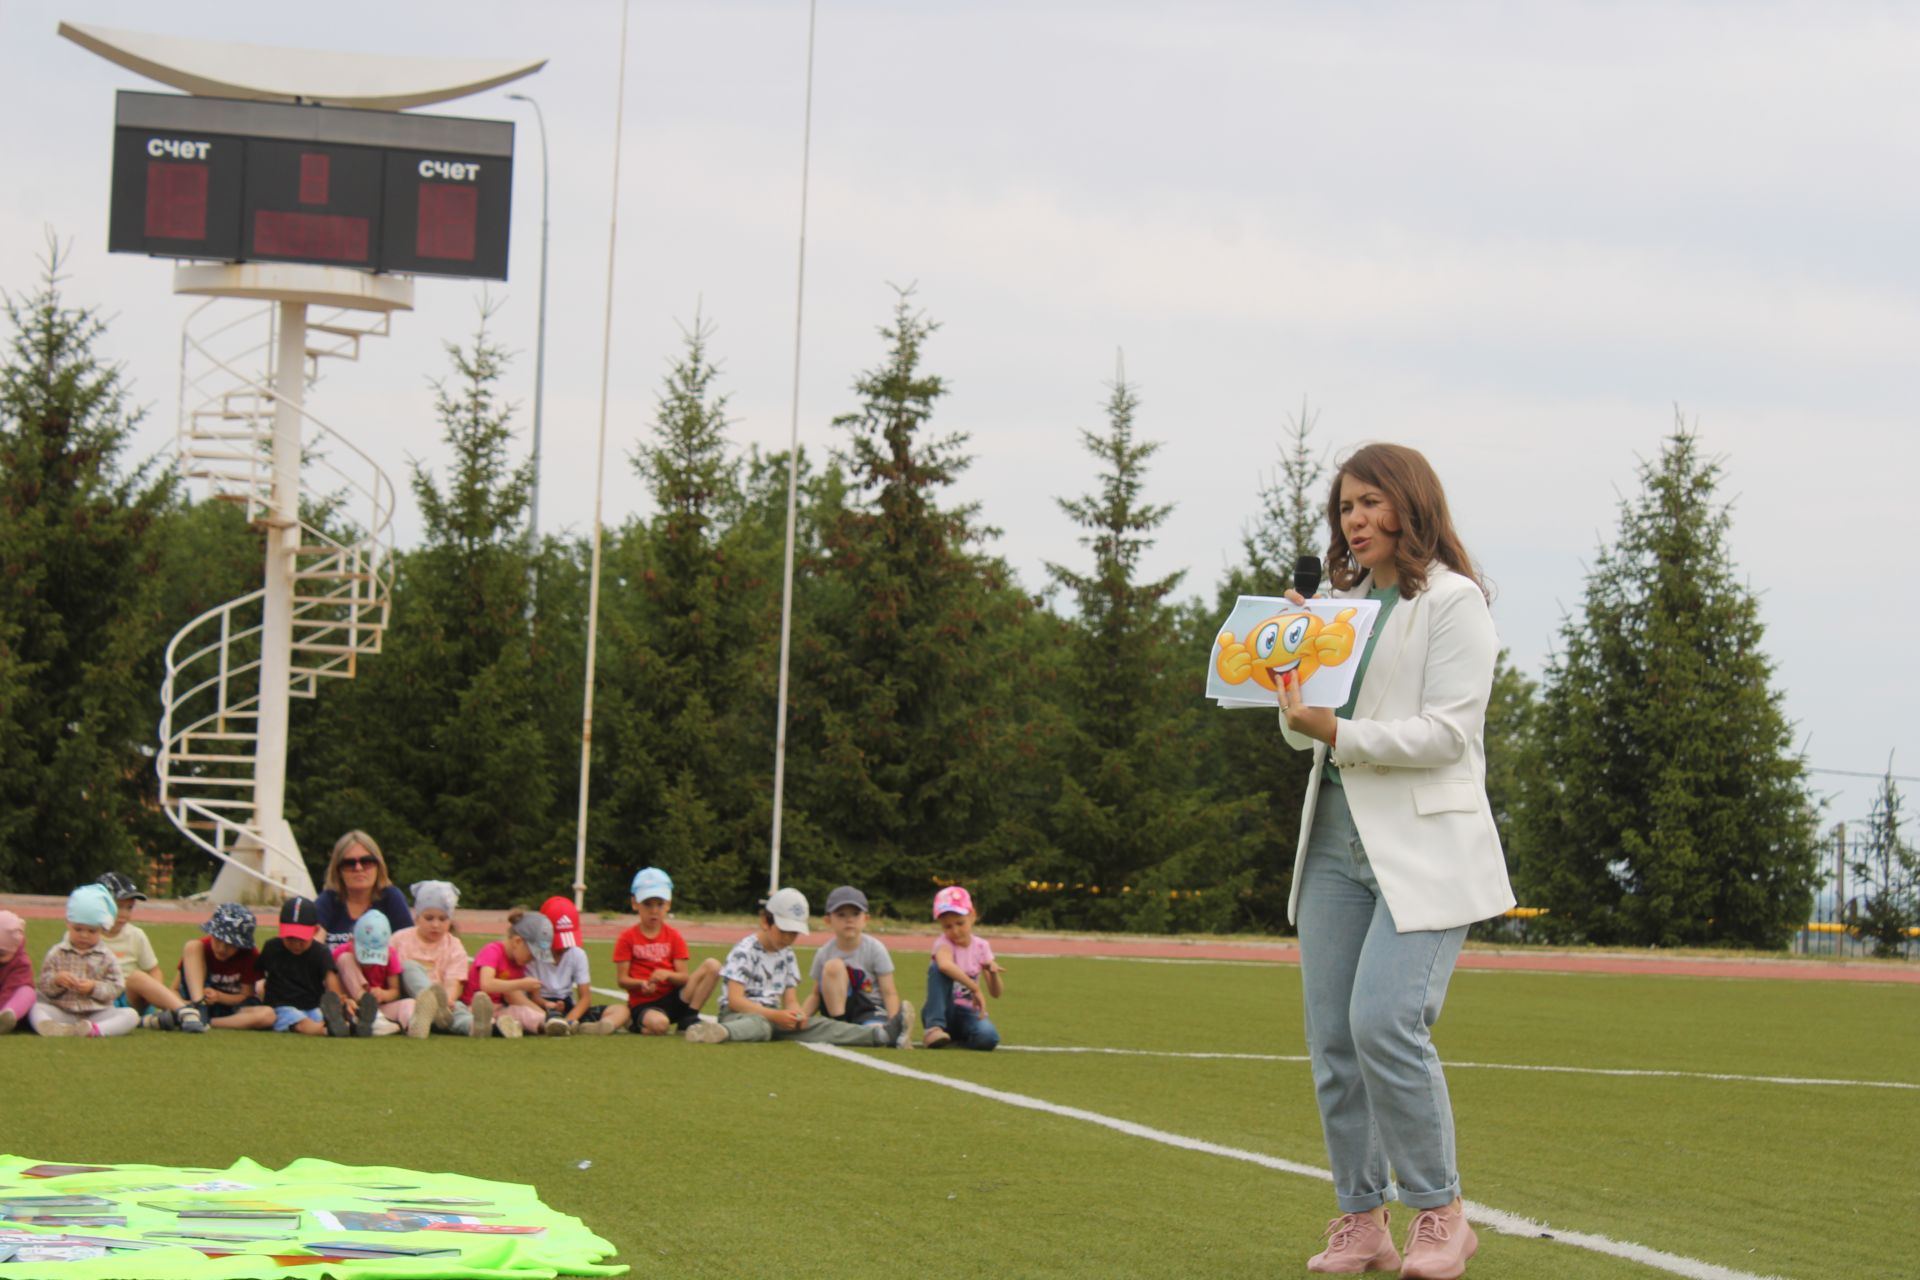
[704,1032]
[482,1008]
[557,1027]
[510,1028]
[385,1026]
[66,1029]
[426,1012]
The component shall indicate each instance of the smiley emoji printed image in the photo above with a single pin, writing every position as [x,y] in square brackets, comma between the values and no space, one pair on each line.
[1289,642]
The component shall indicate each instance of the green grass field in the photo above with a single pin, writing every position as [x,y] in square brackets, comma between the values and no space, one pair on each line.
[745,1160]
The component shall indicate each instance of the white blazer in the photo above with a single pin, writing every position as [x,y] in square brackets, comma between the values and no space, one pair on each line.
[1413,761]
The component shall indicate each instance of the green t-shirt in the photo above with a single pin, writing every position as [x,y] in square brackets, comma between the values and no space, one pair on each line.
[1388,597]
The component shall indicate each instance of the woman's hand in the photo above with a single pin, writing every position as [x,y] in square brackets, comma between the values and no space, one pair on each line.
[1317,723]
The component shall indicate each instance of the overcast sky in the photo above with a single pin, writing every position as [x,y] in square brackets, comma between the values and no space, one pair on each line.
[1514,236]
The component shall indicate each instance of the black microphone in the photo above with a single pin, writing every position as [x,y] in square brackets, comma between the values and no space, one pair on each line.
[1306,575]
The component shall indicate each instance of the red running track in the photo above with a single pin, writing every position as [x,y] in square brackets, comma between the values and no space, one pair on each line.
[488,923]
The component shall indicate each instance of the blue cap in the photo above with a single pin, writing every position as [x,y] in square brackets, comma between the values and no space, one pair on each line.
[652,882]
[370,934]
[232,924]
[91,904]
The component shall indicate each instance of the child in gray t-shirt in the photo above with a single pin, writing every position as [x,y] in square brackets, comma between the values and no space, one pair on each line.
[853,974]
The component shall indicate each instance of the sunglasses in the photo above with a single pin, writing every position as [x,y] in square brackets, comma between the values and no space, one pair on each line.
[355,864]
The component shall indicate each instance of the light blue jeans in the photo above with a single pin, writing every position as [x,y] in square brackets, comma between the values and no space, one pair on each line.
[414,979]
[1371,997]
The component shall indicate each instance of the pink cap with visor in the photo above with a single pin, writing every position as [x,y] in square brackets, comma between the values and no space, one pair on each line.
[952,900]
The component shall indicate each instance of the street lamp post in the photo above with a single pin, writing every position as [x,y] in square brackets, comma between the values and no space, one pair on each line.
[540,344]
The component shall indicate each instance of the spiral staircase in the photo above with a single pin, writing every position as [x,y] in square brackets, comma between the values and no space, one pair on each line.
[337,534]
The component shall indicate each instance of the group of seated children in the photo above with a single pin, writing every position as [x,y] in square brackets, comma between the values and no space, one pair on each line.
[103,976]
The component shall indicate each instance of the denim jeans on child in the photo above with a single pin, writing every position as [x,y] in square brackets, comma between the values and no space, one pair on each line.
[968,1027]
[1371,996]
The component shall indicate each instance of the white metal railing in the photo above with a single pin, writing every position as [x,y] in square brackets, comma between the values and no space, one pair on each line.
[343,566]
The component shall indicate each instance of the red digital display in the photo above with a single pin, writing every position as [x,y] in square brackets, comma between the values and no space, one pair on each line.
[448,221]
[176,200]
[324,237]
[314,172]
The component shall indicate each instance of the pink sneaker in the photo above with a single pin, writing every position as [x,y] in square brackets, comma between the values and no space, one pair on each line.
[1355,1242]
[1438,1246]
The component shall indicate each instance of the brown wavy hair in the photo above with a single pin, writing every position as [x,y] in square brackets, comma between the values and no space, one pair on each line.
[340,847]
[1420,505]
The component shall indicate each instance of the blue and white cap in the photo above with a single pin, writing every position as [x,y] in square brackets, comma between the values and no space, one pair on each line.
[370,934]
[232,924]
[652,882]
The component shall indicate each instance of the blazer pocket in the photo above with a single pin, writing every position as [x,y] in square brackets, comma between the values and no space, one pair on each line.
[1446,797]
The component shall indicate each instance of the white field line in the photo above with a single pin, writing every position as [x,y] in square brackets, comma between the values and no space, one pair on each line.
[1451,1065]
[1482,1215]
[1621,1072]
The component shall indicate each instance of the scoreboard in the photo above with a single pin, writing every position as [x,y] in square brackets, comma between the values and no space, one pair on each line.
[232,181]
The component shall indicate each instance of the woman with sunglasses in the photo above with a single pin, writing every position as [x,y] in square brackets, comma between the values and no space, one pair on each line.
[356,883]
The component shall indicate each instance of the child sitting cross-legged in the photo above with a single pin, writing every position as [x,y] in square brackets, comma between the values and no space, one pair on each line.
[762,980]
[80,978]
[566,982]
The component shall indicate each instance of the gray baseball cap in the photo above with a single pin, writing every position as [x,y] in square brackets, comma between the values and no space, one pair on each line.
[536,930]
[846,896]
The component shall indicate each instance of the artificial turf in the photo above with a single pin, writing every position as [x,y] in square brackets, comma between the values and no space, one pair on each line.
[745,1160]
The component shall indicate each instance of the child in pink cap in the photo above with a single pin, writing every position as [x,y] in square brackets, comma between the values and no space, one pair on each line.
[16,973]
[962,975]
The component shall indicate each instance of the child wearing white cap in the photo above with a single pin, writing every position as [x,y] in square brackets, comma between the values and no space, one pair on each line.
[762,980]
[651,961]
[80,978]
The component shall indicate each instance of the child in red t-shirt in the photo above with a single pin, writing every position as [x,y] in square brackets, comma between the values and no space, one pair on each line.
[651,959]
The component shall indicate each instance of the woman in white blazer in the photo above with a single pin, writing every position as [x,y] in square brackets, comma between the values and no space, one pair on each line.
[1398,854]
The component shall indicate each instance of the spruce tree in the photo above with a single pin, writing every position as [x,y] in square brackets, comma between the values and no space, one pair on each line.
[696,615]
[437,748]
[1289,521]
[1140,840]
[1886,874]
[81,603]
[1672,809]
[906,709]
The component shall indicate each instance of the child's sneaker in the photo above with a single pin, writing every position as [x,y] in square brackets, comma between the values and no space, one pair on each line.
[509,1027]
[557,1027]
[899,1028]
[158,1020]
[385,1026]
[936,1038]
[366,1010]
[482,1008]
[334,1014]
[426,1012]
[191,1018]
[1355,1242]
[66,1029]
[704,1032]
[8,1021]
[1439,1245]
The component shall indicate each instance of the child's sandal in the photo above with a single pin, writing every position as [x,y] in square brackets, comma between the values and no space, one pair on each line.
[189,1018]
